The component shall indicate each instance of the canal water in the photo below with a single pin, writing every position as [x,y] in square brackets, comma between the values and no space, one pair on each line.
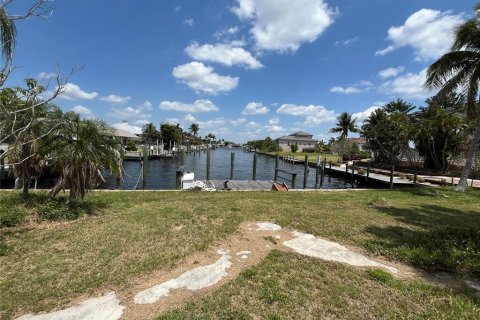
[161,172]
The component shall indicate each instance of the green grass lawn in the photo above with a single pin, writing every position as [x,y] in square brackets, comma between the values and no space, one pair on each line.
[44,265]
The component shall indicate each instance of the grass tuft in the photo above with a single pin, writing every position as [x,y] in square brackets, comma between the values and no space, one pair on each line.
[379,275]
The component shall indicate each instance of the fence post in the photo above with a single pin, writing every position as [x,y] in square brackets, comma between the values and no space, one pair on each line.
[294,178]
[275,177]
[391,177]
[208,164]
[145,163]
[368,173]
[317,172]
[232,164]
[305,172]
[353,170]
[254,173]
[415,179]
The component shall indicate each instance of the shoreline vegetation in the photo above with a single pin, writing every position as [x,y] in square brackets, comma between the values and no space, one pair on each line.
[94,248]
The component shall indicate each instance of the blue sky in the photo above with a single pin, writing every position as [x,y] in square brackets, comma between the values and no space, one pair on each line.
[241,69]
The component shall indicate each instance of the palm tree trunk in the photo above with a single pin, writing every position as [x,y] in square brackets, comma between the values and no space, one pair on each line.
[472,152]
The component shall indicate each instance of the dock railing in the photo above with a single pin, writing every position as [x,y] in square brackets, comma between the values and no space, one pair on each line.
[293,175]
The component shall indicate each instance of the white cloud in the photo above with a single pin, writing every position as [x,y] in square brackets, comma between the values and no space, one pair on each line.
[313,114]
[73,92]
[347,41]
[238,122]
[200,105]
[147,105]
[358,87]
[114,99]
[283,25]
[363,115]
[202,78]
[142,122]
[189,22]
[391,72]
[228,32]
[129,113]
[255,108]
[46,75]
[190,118]
[172,121]
[83,111]
[428,32]
[224,53]
[410,85]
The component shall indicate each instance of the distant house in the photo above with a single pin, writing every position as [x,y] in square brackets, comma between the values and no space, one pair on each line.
[360,142]
[302,139]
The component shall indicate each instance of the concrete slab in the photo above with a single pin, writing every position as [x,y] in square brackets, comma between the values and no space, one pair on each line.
[267,226]
[195,279]
[106,307]
[311,246]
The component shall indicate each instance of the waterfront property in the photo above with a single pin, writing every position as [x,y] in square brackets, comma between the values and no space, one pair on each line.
[303,140]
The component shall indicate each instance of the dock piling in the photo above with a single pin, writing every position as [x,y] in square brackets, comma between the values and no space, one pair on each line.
[305,172]
[391,177]
[145,163]
[275,177]
[208,164]
[317,172]
[232,164]
[254,173]
[368,173]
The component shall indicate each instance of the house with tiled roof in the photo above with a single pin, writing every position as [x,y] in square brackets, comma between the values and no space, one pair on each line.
[302,139]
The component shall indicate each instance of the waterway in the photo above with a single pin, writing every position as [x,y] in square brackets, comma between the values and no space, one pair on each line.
[161,172]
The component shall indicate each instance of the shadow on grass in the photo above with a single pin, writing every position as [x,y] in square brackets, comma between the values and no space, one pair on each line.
[432,237]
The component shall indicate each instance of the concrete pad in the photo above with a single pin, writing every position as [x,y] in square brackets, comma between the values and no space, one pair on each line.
[194,279]
[267,226]
[106,307]
[311,246]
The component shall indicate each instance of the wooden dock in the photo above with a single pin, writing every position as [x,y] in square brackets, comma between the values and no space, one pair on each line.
[239,184]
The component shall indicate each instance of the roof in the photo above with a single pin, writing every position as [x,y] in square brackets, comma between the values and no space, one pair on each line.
[297,138]
[129,128]
[300,133]
[125,134]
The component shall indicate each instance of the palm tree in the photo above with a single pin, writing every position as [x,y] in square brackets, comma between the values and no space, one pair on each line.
[8,35]
[194,129]
[149,133]
[80,151]
[460,69]
[344,125]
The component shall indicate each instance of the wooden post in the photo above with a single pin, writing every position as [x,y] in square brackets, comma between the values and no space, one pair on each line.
[305,172]
[368,173]
[182,158]
[330,167]
[453,182]
[275,177]
[178,178]
[353,170]
[254,173]
[415,179]
[317,172]
[208,165]
[294,178]
[145,163]
[232,164]
[391,177]
[118,180]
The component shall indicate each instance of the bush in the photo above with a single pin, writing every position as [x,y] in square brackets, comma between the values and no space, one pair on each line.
[58,209]
[294,148]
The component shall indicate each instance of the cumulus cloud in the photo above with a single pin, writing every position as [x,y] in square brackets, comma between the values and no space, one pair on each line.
[227,32]
[428,32]
[313,114]
[224,53]
[200,105]
[410,85]
[141,122]
[283,25]
[114,99]
[189,22]
[202,78]
[347,41]
[128,113]
[255,108]
[391,72]
[73,92]
[46,75]
[363,115]
[147,105]
[83,111]
[358,87]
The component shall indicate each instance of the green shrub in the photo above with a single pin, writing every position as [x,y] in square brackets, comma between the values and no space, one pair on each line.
[12,216]
[361,171]
[59,209]
[379,275]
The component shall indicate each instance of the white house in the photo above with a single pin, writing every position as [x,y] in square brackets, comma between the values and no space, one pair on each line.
[302,139]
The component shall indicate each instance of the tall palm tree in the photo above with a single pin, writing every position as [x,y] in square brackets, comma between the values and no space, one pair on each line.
[8,35]
[344,125]
[80,151]
[460,69]
[194,129]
